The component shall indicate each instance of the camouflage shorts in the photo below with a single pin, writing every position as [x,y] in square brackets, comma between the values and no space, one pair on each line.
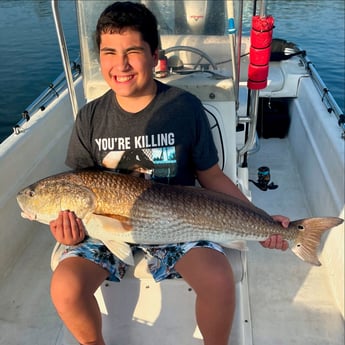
[161,259]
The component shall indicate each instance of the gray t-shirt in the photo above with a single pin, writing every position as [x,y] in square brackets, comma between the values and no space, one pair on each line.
[167,141]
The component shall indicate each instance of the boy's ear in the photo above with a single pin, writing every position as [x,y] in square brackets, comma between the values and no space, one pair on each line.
[155,57]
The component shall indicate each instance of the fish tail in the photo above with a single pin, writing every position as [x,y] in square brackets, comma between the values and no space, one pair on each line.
[309,236]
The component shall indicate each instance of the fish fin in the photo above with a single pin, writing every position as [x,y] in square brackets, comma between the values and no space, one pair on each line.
[121,250]
[235,244]
[125,221]
[98,226]
[309,236]
[108,224]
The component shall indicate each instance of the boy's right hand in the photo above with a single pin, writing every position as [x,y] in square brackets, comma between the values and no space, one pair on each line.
[67,229]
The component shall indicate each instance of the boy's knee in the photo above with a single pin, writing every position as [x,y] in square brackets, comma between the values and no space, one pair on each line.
[221,284]
[224,282]
[65,289]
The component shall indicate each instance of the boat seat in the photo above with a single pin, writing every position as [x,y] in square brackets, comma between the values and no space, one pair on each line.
[141,311]
[140,270]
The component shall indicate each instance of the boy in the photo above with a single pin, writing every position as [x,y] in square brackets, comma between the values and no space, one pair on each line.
[109,133]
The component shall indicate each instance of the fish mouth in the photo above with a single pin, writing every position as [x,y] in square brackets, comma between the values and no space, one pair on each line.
[29,216]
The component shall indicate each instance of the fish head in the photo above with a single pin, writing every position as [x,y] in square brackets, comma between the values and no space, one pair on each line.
[43,200]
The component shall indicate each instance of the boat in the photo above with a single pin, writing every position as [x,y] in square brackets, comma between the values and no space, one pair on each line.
[280,138]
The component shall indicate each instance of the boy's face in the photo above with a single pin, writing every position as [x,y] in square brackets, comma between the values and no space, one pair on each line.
[127,64]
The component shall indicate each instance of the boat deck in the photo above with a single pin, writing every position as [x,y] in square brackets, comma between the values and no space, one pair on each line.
[291,301]
[285,306]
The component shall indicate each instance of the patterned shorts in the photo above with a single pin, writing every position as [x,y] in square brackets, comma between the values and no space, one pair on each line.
[161,259]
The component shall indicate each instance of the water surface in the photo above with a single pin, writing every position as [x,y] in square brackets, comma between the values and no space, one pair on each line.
[30,58]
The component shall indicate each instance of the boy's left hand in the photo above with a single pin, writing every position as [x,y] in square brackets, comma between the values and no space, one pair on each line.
[277,241]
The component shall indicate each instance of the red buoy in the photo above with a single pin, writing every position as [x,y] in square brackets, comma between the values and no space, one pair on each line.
[260,51]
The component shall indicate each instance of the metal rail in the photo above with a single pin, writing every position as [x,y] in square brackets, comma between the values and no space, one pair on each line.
[326,96]
[235,40]
[52,92]
[64,56]
[253,103]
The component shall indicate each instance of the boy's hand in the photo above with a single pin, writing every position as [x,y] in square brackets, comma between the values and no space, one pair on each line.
[67,229]
[277,241]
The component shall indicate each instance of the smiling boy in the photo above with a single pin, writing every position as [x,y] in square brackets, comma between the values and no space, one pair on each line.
[137,106]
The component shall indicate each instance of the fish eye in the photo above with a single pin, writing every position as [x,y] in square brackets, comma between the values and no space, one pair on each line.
[30,193]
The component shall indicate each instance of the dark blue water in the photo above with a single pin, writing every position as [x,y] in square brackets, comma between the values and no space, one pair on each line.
[30,57]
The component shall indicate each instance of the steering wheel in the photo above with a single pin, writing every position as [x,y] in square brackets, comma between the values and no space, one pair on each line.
[195,51]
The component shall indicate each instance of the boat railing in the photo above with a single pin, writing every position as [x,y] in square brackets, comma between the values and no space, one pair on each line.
[52,92]
[326,96]
[65,79]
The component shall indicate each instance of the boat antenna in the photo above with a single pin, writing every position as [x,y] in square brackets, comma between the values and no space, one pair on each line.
[64,56]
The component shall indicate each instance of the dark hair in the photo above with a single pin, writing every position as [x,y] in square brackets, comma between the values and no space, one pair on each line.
[122,15]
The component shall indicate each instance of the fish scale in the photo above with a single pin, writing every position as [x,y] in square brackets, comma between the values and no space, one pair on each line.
[117,209]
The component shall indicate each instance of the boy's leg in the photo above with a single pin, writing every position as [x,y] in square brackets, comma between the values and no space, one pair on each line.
[73,285]
[210,275]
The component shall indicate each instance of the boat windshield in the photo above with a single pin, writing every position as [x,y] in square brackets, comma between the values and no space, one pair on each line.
[182,20]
